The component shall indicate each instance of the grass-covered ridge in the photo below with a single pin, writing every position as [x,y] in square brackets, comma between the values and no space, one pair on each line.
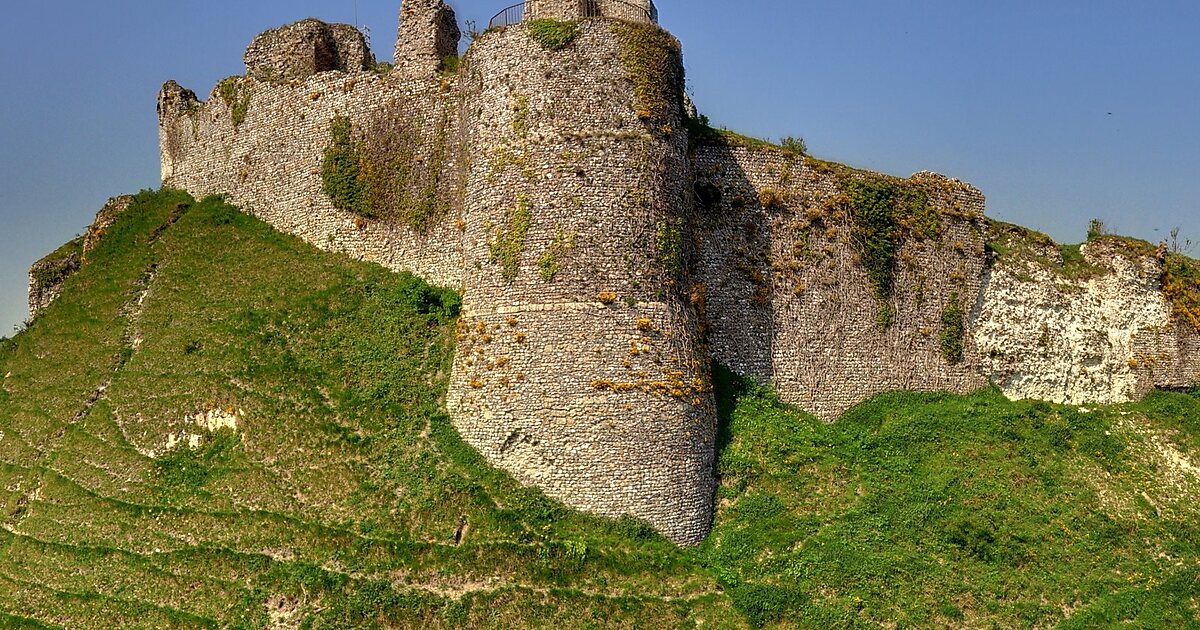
[343,497]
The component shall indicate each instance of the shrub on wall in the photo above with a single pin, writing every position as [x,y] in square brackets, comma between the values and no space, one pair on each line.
[552,34]
[953,328]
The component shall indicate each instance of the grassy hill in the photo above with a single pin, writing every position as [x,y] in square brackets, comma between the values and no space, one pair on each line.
[217,425]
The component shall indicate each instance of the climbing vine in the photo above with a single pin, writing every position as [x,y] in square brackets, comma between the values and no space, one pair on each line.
[378,175]
[652,57]
[508,241]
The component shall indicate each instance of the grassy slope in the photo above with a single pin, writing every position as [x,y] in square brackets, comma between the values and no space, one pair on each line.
[339,498]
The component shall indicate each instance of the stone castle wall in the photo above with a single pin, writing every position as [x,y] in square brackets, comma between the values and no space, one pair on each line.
[788,298]
[604,259]
[270,162]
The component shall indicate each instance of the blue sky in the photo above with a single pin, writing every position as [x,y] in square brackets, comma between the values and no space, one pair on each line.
[1059,111]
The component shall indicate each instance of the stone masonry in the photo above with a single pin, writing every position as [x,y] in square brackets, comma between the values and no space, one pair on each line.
[605,258]
[300,50]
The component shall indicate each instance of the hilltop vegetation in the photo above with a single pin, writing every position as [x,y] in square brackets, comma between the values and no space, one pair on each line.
[217,425]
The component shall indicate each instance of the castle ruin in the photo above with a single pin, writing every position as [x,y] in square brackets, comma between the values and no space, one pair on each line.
[609,246]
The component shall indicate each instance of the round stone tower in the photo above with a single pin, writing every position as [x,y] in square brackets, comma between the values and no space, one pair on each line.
[580,367]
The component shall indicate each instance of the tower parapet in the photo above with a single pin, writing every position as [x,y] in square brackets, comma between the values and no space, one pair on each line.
[565,10]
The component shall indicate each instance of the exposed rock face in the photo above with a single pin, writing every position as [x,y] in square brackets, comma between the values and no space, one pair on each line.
[305,48]
[1106,336]
[104,219]
[46,276]
[428,34]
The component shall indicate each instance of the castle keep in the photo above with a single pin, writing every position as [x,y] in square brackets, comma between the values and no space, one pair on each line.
[609,246]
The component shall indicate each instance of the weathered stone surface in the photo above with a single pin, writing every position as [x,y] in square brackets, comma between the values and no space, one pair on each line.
[789,301]
[304,48]
[1104,338]
[630,10]
[608,406]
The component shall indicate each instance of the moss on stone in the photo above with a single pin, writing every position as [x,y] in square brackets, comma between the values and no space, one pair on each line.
[551,261]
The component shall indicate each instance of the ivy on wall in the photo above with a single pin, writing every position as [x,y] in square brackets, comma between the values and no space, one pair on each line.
[236,97]
[340,170]
[953,328]
[508,241]
[378,174]
[652,57]
[884,213]
[669,239]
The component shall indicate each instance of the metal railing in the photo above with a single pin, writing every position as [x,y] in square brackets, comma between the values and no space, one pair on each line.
[512,15]
[615,9]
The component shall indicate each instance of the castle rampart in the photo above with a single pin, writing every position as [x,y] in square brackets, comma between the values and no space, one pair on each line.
[607,250]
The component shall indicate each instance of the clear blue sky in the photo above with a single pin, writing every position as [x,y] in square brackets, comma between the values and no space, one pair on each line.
[1059,111]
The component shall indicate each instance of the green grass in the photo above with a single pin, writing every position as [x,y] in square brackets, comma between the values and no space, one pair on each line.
[338,499]
[931,510]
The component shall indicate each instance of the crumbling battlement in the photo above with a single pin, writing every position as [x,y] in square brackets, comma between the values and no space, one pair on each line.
[305,48]
[608,248]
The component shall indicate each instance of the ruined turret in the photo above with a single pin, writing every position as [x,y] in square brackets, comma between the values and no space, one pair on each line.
[304,48]
[427,36]
[628,10]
